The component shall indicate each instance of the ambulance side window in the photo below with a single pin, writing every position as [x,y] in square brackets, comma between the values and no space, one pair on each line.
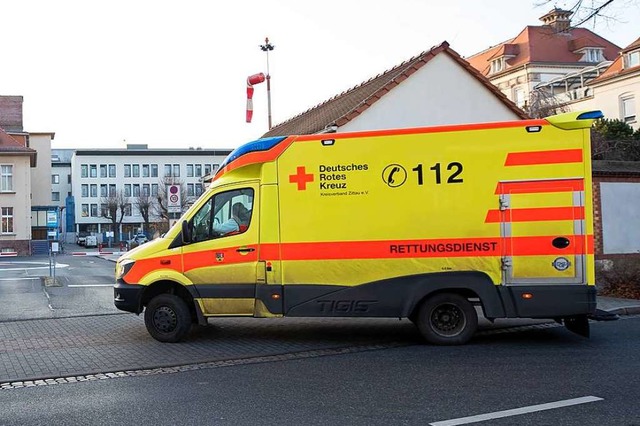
[226,213]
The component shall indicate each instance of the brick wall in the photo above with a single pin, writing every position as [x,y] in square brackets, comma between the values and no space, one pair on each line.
[11,113]
[22,247]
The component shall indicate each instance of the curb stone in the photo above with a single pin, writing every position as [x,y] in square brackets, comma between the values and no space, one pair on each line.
[625,310]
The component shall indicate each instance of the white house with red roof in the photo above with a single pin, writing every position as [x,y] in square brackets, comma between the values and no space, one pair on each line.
[436,87]
[17,161]
[616,92]
[545,54]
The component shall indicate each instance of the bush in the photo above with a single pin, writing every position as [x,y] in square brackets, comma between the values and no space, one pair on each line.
[619,278]
[614,140]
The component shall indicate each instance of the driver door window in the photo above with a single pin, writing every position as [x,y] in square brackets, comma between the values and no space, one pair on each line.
[227,213]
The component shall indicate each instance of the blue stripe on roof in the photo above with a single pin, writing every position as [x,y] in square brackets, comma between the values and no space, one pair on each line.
[263,144]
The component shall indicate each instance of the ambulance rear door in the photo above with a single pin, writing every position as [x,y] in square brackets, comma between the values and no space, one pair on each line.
[543,231]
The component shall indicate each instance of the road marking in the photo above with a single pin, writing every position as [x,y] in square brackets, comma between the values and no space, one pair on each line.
[517,411]
[19,278]
[31,268]
[90,285]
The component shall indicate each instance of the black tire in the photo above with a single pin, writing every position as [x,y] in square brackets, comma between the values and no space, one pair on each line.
[167,318]
[447,319]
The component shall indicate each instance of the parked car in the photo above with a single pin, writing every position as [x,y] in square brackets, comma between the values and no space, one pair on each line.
[137,240]
[91,241]
[140,238]
[81,237]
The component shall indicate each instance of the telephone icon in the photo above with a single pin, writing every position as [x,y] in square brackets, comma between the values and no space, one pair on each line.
[394,175]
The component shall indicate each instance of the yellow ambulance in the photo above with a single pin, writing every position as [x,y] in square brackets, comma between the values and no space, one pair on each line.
[422,223]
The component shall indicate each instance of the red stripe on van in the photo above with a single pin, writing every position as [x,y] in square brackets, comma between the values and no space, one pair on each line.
[535,214]
[563,185]
[544,157]
[541,246]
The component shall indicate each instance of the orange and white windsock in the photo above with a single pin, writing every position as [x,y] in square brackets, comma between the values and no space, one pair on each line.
[251,80]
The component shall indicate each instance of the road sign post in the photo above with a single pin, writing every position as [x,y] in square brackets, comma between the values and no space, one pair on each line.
[174,203]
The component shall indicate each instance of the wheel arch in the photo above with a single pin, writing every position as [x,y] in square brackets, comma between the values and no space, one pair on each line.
[177,289]
[471,285]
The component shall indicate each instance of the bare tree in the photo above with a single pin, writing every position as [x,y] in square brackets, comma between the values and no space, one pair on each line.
[113,207]
[145,206]
[543,104]
[161,205]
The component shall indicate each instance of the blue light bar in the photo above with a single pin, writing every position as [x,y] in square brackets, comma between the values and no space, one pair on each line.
[591,115]
[264,144]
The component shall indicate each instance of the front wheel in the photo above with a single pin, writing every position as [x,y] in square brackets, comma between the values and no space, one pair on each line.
[167,318]
[447,319]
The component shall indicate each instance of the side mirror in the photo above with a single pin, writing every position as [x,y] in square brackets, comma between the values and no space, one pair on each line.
[186,233]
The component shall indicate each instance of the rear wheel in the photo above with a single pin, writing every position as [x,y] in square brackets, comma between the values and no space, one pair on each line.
[447,319]
[167,318]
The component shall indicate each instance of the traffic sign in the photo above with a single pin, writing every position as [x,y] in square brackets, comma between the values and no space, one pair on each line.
[173,199]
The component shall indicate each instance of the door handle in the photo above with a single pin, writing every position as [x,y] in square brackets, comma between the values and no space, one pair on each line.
[245,250]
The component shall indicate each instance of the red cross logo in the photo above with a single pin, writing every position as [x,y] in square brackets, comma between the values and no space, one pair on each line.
[301,178]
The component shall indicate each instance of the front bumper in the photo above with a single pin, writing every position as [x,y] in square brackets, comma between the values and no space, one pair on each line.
[127,297]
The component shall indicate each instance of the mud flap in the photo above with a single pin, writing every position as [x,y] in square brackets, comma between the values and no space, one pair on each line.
[578,324]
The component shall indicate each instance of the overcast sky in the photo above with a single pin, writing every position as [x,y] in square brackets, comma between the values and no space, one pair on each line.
[172,74]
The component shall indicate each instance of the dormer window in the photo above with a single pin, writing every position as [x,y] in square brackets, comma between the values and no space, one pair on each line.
[592,55]
[497,65]
[632,59]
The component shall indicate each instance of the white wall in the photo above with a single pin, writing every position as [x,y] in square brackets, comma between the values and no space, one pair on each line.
[620,203]
[606,98]
[441,92]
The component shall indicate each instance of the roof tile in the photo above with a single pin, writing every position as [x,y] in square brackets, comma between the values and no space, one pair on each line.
[544,44]
[346,106]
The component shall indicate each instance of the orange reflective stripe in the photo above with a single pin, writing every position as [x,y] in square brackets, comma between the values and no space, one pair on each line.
[565,185]
[544,157]
[535,214]
[218,257]
[391,249]
[539,246]
[144,266]
[350,250]
[269,251]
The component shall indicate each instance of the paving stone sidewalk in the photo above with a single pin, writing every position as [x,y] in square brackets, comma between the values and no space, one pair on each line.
[62,347]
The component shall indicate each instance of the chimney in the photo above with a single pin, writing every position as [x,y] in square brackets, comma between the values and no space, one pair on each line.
[11,113]
[558,19]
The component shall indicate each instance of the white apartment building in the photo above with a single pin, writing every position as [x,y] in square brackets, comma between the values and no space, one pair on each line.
[543,55]
[136,171]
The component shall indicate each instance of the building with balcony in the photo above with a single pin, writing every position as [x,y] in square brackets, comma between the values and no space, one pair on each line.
[554,55]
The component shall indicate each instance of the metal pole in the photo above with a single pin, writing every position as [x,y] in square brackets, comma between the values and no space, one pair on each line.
[267,47]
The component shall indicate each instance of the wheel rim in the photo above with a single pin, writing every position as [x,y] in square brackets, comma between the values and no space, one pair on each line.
[165,319]
[448,320]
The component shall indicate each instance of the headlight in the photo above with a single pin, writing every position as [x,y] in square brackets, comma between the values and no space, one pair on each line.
[124,266]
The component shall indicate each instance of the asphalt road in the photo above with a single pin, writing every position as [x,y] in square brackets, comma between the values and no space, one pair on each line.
[409,385]
[83,286]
